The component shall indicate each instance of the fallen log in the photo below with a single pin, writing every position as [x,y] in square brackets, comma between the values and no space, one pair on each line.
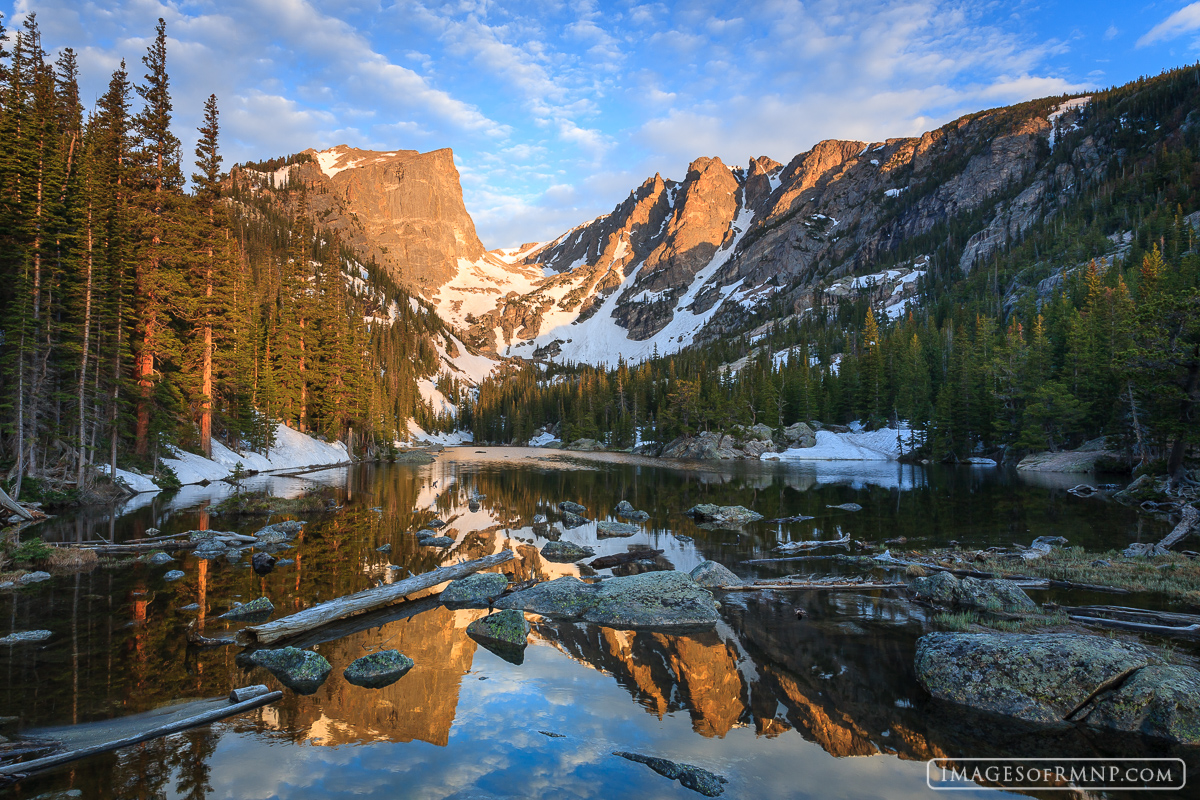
[617,559]
[131,547]
[1028,581]
[39,764]
[1190,517]
[844,541]
[361,602]
[1169,618]
[814,587]
[788,558]
[15,507]
[1185,632]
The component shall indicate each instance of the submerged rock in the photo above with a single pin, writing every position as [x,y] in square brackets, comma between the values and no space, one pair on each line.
[573,508]
[478,589]
[695,778]
[437,541]
[607,530]
[505,633]
[847,507]
[377,670]
[174,575]
[385,548]
[302,671]
[158,559]
[255,609]
[722,515]
[712,575]
[944,589]
[648,600]
[565,552]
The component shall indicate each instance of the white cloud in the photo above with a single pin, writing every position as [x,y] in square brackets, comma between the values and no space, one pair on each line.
[1185,20]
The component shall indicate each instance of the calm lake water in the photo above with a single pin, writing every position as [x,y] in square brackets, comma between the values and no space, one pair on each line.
[824,707]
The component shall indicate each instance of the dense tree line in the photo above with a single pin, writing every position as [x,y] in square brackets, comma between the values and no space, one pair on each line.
[983,362]
[138,313]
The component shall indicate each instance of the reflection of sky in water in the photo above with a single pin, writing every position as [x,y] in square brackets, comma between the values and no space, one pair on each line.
[496,751]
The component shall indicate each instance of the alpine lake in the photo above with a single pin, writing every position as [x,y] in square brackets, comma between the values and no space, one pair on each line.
[823,706]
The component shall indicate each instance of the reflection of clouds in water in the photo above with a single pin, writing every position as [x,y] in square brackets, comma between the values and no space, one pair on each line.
[495,751]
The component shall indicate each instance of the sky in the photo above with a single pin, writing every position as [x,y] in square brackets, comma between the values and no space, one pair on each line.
[557,110]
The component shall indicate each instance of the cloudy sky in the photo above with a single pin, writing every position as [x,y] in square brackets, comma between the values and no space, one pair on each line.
[555,110]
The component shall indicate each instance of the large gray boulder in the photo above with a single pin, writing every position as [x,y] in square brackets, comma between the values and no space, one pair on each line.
[712,575]
[704,446]
[1158,700]
[572,520]
[944,589]
[800,435]
[1034,677]
[478,589]
[565,552]
[608,530]
[649,600]
[708,513]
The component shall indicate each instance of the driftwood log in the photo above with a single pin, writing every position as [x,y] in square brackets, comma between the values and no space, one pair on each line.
[863,586]
[844,541]
[1190,517]
[39,764]
[362,602]
[13,506]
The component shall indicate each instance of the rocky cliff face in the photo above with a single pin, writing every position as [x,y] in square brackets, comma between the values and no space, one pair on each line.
[403,209]
[678,263]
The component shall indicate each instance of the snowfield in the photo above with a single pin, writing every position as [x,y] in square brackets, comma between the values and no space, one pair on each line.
[884,444]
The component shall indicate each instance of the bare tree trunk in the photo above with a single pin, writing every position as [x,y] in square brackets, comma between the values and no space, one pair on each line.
[87,331]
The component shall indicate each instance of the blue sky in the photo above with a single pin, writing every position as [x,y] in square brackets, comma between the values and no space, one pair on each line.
[556,110]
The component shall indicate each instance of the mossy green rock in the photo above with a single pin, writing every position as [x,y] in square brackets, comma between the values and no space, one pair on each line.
[377,670]
[258,610]
[1037,678]
[478,589]
[504,633]
[302,671]
[650,600]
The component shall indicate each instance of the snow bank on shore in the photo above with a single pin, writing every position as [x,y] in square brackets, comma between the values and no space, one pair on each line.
[885,444]
[134,480]
[421,437]
[292,450]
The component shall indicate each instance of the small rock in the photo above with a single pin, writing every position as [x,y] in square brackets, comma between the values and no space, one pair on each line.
[174,575]
[435,524]
[695,778]
[478,589]
[263,563]
[712,575]
[1102,562]
[32,577]
[1145,550]
[377,670]
[437,541]
[159,559]
[190,607]
[573,508]
[20,637]
[565,552]
[260,607]
[152,531]
[387,548]
[473,505]
[606,530]
[722,515]
[505,633]
[540,519]
[847,507]
[302,671]
[552,734]
[245,693]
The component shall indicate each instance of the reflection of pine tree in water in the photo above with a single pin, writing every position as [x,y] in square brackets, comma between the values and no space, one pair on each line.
[190,758]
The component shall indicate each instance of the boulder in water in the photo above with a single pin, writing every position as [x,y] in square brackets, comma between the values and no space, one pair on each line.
[712,575]
[504,633]
[572,520]
[257,609]
[574,508]
[607,530]
[722,515]
[649,600]
[944,589]
[263,563]
[695,778]
[478,589]
[302,671]
[376,670]
[565,552]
